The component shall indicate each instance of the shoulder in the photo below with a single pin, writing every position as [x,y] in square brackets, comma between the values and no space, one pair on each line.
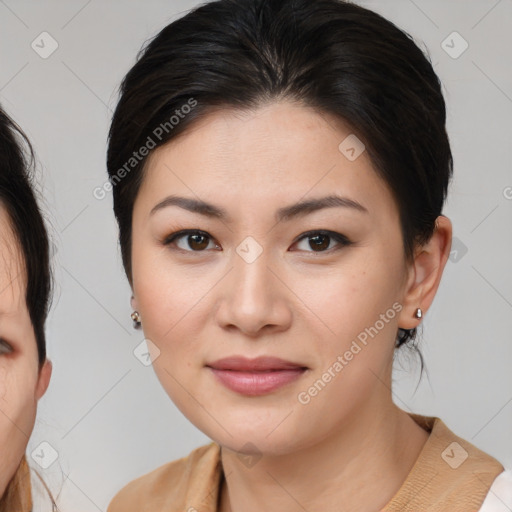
[499,497]
[462,464]
[449,474]
[172,484]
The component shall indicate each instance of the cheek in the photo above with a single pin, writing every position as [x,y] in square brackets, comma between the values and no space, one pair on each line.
[17,397]
[175,309]
[17,416]
[350,299]
[169,296]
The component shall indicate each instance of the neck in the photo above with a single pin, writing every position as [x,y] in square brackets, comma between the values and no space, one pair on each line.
[361,465]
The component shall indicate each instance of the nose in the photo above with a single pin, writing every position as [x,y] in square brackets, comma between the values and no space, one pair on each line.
[254,298]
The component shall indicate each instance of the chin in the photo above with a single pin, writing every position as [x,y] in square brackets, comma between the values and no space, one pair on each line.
[253,441]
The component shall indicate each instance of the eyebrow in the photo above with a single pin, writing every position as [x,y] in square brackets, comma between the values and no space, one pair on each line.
[282,214]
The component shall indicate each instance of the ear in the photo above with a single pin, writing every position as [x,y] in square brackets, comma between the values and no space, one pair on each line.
[133,303]
[425,273]
[43,380]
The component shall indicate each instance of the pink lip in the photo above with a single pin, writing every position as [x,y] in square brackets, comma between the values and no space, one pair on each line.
[255,376]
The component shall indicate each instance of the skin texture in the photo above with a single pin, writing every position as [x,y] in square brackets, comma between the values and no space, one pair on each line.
[350,443]
[22,382]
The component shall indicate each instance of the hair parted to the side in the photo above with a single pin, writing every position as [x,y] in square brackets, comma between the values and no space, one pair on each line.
[335,56]
[18,198]
[26,220]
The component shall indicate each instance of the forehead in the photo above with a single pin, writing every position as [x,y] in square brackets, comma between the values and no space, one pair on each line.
[280,151]
[12,272]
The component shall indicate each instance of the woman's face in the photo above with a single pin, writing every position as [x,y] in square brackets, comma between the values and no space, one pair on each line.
[252,284]
[21,382]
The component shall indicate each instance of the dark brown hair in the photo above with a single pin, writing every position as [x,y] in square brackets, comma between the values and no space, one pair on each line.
[18,198]
[335,56]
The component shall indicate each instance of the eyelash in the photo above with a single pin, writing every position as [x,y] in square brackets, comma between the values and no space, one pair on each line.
[342,240]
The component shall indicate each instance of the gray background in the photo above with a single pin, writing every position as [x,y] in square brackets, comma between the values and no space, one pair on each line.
[105,413]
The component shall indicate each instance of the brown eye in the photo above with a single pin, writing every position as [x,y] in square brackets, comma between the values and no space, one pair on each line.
[320,241]
[197,242]
[191,240]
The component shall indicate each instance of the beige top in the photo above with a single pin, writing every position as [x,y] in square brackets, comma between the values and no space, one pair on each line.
[450,474]
[18,495]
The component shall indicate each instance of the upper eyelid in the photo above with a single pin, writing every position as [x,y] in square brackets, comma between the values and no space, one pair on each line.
[184,232]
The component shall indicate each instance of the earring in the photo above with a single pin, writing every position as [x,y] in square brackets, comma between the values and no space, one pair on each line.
[418,313]
[136,319]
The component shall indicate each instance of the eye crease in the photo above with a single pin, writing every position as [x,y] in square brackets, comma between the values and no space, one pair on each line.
[316,238]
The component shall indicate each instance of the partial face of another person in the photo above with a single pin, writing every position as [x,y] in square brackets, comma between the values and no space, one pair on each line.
[22,382]
[301,287]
